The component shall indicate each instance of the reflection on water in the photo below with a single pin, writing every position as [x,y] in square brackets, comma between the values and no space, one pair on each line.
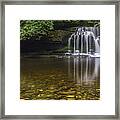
[84,70]
[59,77]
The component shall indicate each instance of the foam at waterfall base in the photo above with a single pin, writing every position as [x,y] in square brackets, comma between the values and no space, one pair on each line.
[95,55]
[84,54]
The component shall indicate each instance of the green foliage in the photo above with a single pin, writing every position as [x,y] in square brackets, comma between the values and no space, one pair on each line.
[34,28]
[62,24]
[57,35]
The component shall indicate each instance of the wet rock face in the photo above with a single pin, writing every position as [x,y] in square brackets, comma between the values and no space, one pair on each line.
[37,46]
[53,41]
[58,35]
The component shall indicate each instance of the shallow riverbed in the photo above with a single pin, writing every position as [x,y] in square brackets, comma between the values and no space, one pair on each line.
[60,78]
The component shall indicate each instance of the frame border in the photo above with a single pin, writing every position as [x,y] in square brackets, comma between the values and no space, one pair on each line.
[55,2]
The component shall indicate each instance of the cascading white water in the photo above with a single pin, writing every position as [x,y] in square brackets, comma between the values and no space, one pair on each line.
[90,46]
[81,43]
[74,43]
[86,38]
[77,43]
[83,39]
[69,41]
[97,48]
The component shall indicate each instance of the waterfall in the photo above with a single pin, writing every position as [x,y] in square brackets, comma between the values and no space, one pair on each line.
[77,43]
[86,39]
[83,39]
[69,41]
[97,49]
[90,46]
[74,43]
[81,43]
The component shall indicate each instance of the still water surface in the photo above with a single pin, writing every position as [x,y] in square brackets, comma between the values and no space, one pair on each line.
[59,77]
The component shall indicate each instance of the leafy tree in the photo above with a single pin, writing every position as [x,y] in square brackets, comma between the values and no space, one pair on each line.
[34,28]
